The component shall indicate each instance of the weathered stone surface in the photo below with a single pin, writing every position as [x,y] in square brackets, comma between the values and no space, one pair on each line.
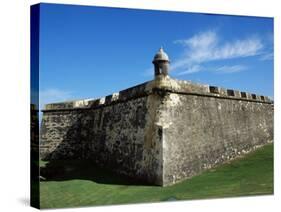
[120,137]
[160,132]
[203,132]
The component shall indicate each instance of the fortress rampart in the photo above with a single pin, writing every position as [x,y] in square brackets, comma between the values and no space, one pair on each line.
[160,132]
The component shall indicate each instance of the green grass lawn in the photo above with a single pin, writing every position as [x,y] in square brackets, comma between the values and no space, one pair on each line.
[83,184]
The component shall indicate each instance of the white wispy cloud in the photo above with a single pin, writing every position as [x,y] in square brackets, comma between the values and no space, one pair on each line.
[208,46]
[267,56]
[226,69]
[191,70]
[230,69]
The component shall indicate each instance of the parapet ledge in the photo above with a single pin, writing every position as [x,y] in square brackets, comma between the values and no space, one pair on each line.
[235,94]
[166,83]
[160,83]
[68,104]
[178,86]
[124,95]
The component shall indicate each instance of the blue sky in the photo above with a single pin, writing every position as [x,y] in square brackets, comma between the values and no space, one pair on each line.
[90,52]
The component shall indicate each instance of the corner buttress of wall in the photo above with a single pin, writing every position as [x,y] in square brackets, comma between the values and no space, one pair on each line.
[161,107]
[153,143]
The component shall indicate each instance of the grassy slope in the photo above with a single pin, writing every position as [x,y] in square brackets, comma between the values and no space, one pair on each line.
[251,175]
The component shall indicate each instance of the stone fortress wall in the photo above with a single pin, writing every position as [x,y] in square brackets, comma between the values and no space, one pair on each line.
[160,132]
[116,132]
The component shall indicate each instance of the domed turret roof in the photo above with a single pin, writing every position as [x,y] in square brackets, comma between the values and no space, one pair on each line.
[161,55]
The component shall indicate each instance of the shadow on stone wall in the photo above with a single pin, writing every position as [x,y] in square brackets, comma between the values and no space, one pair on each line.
[75,158]
[62,170]
[74,140]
